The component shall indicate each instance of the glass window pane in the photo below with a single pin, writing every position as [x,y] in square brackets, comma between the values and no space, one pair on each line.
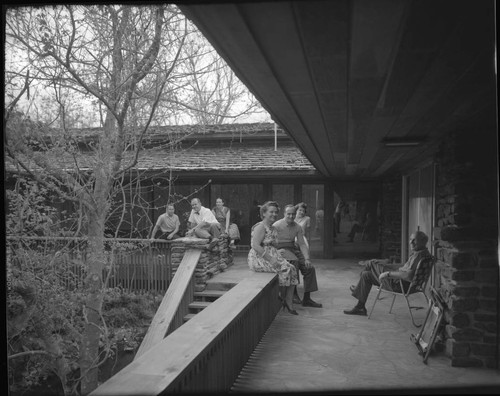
[283,194]
[313,196]
[243,200]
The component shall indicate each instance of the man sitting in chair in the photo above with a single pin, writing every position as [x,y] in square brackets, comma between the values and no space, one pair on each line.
[377,271]
[292,247]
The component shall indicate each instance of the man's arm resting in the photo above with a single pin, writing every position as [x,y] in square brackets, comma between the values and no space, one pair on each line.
[155,230]
[403,275]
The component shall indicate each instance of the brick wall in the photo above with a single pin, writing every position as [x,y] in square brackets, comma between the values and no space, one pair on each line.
[211,262]
[466,246]
[390,217]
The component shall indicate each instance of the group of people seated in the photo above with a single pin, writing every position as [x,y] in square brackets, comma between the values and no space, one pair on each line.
[280,246]
[203,223]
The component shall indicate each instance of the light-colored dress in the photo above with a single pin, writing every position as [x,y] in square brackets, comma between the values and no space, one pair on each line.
[220,215]
[287,272]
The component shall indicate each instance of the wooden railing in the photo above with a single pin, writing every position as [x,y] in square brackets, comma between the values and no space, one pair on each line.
[207,353]
[174,305]
[144,268]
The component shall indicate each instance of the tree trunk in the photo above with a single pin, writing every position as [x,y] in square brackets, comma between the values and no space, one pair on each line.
[89,357]
[90,341]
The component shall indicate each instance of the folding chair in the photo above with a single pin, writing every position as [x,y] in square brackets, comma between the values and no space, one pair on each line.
[417,285]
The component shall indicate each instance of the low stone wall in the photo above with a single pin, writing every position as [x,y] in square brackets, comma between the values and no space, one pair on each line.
[211,262]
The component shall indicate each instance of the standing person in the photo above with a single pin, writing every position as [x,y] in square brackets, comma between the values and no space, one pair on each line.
[168,223]
[202,223]
[291,246]
[377,271]
[337,214]
[263,256]
[223,215]
[320,215]
[303,220]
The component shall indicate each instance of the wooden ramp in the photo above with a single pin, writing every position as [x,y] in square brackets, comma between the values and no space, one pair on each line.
[207,353]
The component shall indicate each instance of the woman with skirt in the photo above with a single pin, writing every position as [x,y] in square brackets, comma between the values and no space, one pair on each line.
[264,257]
[223,215]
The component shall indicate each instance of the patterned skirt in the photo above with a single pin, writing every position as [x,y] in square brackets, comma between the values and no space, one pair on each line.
[287,273]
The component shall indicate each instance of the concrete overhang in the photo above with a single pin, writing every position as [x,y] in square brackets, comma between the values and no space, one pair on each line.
[343,77]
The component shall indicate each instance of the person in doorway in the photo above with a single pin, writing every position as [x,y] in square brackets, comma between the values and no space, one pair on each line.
[264,257]
[320,215]
[168,223]
[377,271]
[223,215]
[203,224]
[337,215]
[368,228]
[303,220]
[292,246]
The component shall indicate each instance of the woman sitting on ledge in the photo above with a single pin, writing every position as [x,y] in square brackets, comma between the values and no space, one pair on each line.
[223,215]
[263,256]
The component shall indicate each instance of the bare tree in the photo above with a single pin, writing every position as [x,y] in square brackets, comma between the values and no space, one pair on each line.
[118,67]
[110,54]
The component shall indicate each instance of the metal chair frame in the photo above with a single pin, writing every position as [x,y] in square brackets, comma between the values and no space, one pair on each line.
[417,285]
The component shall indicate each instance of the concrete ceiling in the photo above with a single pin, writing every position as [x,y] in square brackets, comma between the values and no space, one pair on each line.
[342,76]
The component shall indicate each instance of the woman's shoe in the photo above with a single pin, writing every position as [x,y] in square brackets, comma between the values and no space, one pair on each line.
[291,311]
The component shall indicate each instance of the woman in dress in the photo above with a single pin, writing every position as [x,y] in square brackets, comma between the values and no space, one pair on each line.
[263,256]
[303,220]
[223,215]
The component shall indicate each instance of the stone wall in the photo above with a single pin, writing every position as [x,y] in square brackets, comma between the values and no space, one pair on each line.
[211,262]
[466,247]
[390,217]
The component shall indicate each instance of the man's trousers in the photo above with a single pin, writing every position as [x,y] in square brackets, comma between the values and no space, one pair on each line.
[206,230]
[309,274]
[369,277]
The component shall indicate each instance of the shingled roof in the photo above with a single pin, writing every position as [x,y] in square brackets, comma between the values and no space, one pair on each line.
[237,157]
[221,150]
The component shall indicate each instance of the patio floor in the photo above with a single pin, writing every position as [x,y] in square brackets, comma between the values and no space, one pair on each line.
[324,350]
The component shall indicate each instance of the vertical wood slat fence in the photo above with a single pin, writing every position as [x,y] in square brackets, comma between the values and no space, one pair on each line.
[207,353]
[175,303]
[146,268]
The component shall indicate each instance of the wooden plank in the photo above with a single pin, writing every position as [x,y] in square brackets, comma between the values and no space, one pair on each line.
[155,370]
[199,304]
[210,293]
[170,302]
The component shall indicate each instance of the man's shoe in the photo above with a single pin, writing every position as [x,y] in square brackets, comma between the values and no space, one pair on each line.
[356,311]
[212,243]
[311,303]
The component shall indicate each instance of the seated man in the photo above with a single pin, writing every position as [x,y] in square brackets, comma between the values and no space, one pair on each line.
[377,271]
[168,223]
[203,224]
[292,246]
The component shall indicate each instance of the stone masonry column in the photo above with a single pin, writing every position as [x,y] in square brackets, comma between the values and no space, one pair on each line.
[466,248]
